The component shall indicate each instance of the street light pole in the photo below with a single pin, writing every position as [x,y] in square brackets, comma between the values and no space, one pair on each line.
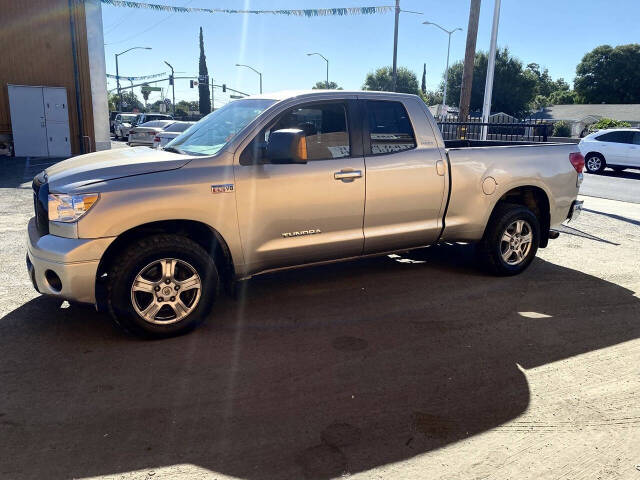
[118,72]
[488,86]
[173,87]
[446,72]
[325,59]
[259,73]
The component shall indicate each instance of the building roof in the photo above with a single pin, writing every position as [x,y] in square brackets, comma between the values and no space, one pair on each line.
[626,112]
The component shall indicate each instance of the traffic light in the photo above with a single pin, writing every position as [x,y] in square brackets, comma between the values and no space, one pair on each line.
[224,87]
[170,79]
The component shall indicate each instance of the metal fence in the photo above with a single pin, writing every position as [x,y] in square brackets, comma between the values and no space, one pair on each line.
[500,127]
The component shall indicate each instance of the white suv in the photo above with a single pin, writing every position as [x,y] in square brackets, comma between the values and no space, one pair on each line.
[616,148]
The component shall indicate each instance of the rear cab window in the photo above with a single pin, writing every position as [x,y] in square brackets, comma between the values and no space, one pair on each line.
[390,129]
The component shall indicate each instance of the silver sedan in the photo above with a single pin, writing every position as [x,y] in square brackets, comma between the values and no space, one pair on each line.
[145,133]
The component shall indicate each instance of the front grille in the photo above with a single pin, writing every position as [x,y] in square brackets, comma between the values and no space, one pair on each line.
[41,205]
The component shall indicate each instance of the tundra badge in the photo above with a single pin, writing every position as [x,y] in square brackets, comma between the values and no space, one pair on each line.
[300,233]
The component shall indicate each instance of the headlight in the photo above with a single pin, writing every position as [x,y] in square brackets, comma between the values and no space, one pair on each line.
[69,208]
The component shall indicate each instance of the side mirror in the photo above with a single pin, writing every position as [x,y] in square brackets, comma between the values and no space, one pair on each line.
[287,146]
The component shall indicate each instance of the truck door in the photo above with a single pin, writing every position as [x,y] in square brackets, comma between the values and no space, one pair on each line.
[291,214]
[405,177]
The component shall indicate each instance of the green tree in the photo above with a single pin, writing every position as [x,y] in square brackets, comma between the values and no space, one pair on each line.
[513,88]
[431,97]
[563,97]
[130,102]
[545,85]
[203,88]
[112,100]
[609,75]
[324,86]
[423,85]
[145,95]
[561,129]
[540,102]
[607,123]
[382,80]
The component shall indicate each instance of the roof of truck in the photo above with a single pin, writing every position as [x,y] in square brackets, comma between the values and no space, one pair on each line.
[285,94]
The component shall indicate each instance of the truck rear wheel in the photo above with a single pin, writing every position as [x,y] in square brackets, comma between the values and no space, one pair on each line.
[161,286]
[510,241]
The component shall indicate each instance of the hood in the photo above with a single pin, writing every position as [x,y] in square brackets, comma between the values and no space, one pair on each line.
[97,167]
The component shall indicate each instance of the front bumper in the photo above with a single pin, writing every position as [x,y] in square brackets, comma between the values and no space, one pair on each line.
[73,260]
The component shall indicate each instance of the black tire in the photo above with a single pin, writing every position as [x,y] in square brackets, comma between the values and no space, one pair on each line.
[144,252]
[595,163]
[491,247]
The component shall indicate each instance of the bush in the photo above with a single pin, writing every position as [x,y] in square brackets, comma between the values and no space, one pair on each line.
[604,123]
[561,129]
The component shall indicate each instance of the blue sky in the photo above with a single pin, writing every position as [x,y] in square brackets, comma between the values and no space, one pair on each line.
[555,34]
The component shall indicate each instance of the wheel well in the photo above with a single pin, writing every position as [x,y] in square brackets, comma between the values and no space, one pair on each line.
[595,154]
[536,200]
[205,236]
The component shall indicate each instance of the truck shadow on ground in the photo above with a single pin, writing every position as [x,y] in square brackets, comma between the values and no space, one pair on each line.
[308,374]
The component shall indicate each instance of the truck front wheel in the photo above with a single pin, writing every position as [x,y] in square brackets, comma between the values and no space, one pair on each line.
[511,240]
[161,286]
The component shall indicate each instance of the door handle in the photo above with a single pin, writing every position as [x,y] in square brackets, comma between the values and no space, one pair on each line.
[347,175]
[440,168]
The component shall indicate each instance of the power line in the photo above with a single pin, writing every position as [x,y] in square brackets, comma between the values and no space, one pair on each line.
[150,28]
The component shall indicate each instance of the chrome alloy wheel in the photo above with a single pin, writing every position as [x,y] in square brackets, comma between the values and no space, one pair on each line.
[594,163]
[166,291]
[515,243]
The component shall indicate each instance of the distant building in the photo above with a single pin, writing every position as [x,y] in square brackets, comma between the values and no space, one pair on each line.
[53,92]
[581,116]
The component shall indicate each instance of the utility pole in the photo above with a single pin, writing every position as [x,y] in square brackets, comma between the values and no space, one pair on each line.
[173,85]
[488,87]
[395,47]
[118,72]
[469,58]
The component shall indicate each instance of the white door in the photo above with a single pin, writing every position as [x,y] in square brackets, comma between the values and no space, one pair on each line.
[56,111]
[28,121]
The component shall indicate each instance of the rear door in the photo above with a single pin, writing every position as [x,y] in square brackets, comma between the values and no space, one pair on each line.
[634,151]
[292,214]
[405,176]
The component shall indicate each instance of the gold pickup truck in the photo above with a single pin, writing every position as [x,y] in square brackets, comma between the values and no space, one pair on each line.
[279,181]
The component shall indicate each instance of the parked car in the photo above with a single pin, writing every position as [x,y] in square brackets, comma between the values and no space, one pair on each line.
[145,133]
[618,148]
[169,133]
[112,118]
[122,124]
[281,181]
[149,117]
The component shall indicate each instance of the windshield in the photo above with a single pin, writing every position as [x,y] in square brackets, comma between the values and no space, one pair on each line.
[214,131]
[127,118]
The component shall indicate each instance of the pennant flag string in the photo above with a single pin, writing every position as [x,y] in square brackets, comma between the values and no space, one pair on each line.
[307,12]
[146,77]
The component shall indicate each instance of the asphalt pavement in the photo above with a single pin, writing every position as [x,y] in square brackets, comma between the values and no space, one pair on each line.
[412,366]
[623,186]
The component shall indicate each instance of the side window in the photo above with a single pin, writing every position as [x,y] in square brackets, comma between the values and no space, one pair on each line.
[324,126]
[636,138]
[617,137]
[390,129]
